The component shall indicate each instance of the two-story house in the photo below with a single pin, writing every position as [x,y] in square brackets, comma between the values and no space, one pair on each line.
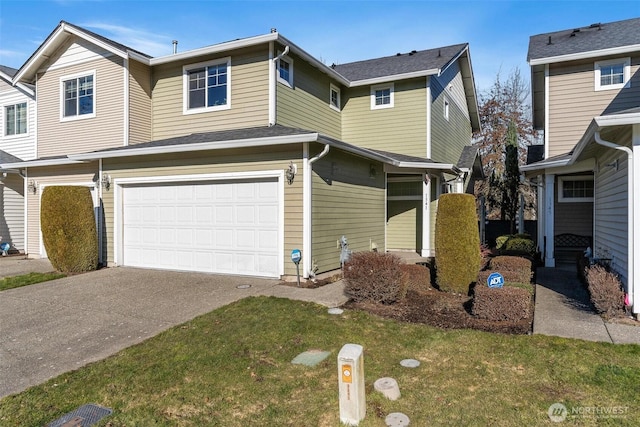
[226,158]
[17,143]
[586,99]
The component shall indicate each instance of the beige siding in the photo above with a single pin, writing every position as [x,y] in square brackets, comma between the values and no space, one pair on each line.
[5,86]
[23,145]
[12,211]
[306,105]
[574,102]
[249,96]
[139,103]
[80,174]
[276,158]
[105,130]
[404,225]
[345,201]
[448,137]
[401,129]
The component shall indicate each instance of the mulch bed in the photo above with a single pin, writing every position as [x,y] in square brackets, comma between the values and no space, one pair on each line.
[443,310]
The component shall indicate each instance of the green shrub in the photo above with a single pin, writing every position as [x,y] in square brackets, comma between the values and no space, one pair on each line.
[69,228]
[457,242]
[416,277]
[605,291]
[509,303]
[375,277]
[516,244]
[513,276]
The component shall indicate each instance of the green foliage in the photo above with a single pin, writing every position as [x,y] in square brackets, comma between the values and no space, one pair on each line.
[457,242]
[521,244]
[27,279]
[69,228]
[375,277]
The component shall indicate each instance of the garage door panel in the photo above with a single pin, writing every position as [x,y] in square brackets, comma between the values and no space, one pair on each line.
[227,227]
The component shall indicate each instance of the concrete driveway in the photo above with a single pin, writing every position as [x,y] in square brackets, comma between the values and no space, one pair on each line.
[57,326]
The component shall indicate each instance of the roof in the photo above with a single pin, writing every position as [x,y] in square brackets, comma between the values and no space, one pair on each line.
[8,70]
[593,40]
[432,60]
[8,158]
[551,162]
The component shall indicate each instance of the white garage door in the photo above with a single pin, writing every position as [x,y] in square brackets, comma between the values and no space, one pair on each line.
[219,227]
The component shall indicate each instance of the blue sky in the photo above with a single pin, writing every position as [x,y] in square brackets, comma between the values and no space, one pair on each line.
[332,31]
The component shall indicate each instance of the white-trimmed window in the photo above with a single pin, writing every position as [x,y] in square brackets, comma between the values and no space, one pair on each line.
[575,189]
[382,96]
[78,97]
[207,86]
[334,97]
[15,119]
[612,74]
[285,71]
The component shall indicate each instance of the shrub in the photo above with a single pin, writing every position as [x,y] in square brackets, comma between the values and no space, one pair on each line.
[501,304]
[69,228]
[457,242]
[511,263]
[485,256]
[605,291]
[416,277]
[516,244]
[375,277]
[510,276]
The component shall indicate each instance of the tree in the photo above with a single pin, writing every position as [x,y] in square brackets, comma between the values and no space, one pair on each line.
[505,119]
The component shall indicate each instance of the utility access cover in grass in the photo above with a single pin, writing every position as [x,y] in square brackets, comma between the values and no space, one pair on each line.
[310,357]
[84,416]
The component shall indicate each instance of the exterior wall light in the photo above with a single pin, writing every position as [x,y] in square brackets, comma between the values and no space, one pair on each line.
[291,172]
[106,181]
[32,187]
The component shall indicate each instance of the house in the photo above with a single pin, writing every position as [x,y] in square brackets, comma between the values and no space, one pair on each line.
[228,157]
[17,143]
[586,99]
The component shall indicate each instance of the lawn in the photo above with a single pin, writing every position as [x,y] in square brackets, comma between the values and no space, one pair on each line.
[232,367]
[28,279]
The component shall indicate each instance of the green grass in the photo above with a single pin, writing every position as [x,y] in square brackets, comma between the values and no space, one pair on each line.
[28,279]
[232,367]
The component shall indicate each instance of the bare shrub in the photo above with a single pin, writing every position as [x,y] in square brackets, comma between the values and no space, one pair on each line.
[605,291]
[501,304]
[375,277]
[416,277]
[515,276]
[507,262]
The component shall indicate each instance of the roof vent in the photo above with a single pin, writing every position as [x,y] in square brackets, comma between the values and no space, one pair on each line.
[175,46]
[274,30]
[398,54]
[549,42]
[333,65]
[574,32]
[439,53]
[413,52]
[597,25]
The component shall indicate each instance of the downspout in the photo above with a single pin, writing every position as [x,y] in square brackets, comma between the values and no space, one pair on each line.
[307,170]
[272,82]
[630,220]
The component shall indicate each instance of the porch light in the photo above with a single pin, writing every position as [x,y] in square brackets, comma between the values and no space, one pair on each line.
[32,187]
[106,181]
[291,172]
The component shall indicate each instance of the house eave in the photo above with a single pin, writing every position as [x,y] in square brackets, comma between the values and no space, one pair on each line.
[42,162]
[544,165]
[395,77]
[585,55]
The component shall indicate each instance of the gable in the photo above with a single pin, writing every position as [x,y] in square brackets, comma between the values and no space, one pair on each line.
[76,51]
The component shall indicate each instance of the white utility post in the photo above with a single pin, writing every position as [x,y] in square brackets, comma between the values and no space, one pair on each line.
[353,406]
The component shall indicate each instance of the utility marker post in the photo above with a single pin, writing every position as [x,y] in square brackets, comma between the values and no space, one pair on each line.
[353,406]
[296,256]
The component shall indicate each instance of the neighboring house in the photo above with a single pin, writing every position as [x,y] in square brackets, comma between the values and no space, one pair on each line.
[586,99]
[226,158]
[17,143]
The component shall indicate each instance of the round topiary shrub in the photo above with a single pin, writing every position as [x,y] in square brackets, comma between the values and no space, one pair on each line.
[457,243]
[69,228]
[374,277]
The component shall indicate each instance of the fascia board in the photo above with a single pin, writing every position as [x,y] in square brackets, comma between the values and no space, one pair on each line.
[95,41]
[36,163]
[544,165]
[183,148]
[313,61]
[395,77]
[618,119]
[139,58]
[585,55]
[425,165]
[38,56]
[217,48]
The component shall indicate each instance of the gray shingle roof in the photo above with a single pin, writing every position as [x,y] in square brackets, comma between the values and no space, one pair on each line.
[468,157]
[8,158]
[400,63]
[584,39]
[115,44]
[8,70]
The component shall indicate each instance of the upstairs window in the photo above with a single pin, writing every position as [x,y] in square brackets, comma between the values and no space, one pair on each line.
[15,119]
[285,71]
[575,189]
[207,86]
[334,98]
[78,96]
[612,74]
[382,96]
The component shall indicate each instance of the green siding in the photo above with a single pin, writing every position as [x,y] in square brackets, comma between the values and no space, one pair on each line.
[404,225]
[448,137]
[401,129]
[346,201]
[306,105]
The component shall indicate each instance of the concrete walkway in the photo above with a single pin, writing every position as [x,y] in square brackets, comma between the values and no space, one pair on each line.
[563,309]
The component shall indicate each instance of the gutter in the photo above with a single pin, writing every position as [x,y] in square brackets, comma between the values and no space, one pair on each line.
[630,218]
[307,172]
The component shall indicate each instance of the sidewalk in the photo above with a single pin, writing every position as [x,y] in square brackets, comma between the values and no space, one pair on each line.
[563,309]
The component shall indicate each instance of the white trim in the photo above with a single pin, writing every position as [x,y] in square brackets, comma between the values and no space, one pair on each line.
[44,162]
[585,55]
[307,176]
[372,95]
[76,76]
[546,111]
[272,87]
[185,86]
[3,132]
[633,280]
[426,251]
[618,119]
[570,178]
[125,107]
[394,77]
[288,60]
[334,88]
[549,212]
[429,109]
[626,73]
[119,183]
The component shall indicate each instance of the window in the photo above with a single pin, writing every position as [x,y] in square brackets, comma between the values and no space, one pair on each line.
[285,71]
[78,96]
[382,96]
[612,74]
[446,108]
[334,98]
[575,189]
[207,86]
[15,119]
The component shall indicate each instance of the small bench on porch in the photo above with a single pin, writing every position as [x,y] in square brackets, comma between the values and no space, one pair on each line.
[568,246]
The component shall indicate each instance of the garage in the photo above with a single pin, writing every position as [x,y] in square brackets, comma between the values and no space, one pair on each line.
[221,226]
